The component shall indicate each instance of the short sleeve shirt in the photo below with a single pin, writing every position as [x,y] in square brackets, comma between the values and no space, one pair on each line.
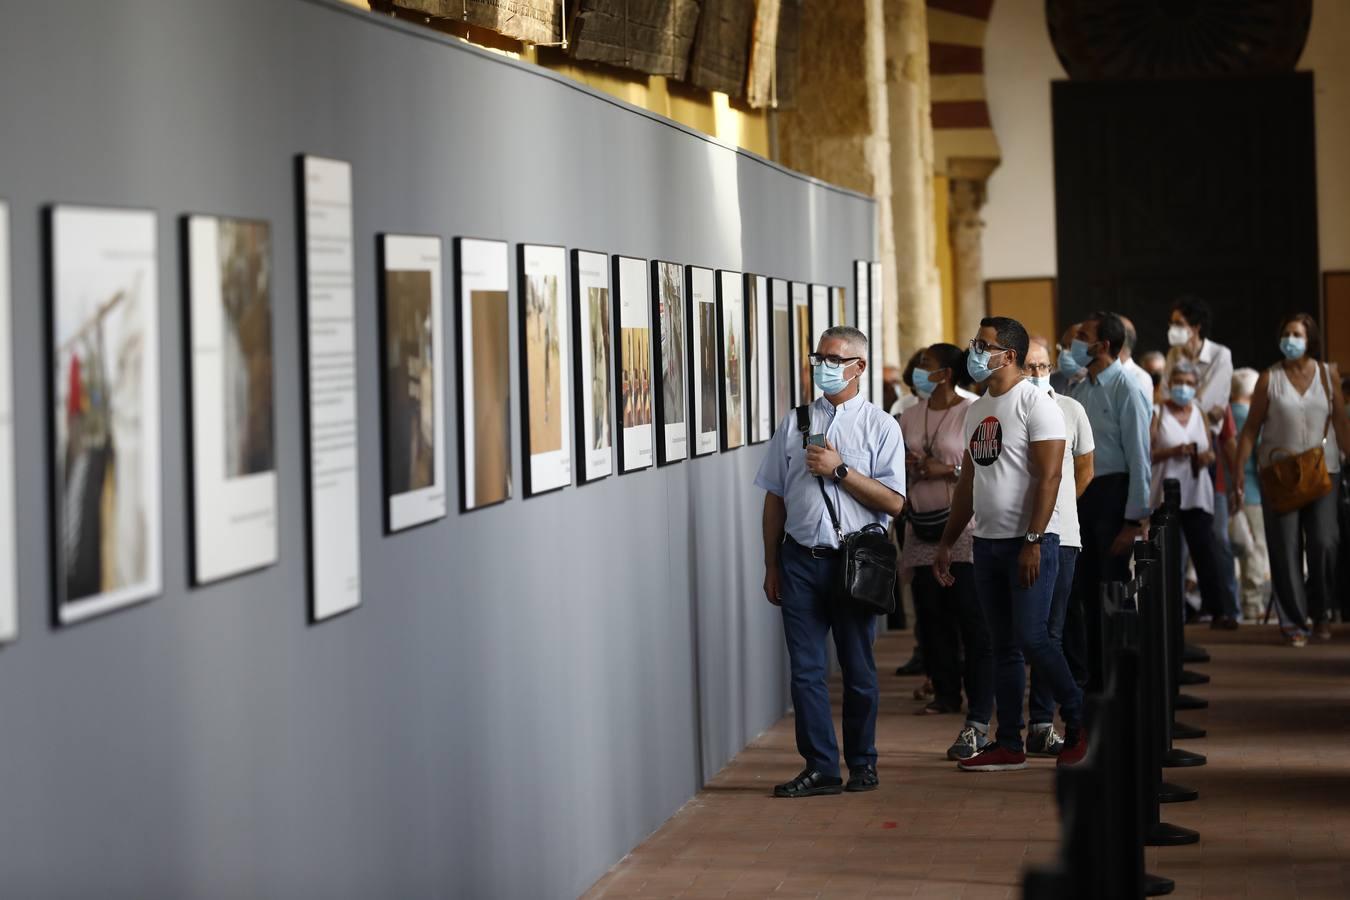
[1078,442]
[999,435]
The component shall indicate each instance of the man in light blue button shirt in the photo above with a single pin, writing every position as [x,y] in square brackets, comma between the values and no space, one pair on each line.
[1114,508]
[857,454]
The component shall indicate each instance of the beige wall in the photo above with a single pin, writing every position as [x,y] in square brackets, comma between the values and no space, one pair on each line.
[1020,63]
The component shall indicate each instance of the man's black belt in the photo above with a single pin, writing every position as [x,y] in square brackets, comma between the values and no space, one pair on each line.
[820,552]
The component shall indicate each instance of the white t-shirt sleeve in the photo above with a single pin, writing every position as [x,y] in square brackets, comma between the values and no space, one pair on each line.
[1044,420]
[1080,431]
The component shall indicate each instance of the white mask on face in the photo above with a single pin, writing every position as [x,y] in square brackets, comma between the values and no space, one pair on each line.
[1178,335]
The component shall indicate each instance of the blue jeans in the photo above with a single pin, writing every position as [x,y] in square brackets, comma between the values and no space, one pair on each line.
[810,612]
[1018,620]
[1042,699]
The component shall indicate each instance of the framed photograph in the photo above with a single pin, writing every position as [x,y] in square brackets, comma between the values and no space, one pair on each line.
[9,611]
[332,466]
[803,391]
[820,320]
[731,345]
[592,341]
[232,428]
[546,413]
[482,298]
[784,374]
[861,293]
[633,364]
[105,410]
[758,359]
[412,369]
[668,309]
[839,311]
[875,337]
[701,286]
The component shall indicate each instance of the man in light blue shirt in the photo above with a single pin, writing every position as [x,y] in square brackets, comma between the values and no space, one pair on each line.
[1114,508]
[855,452]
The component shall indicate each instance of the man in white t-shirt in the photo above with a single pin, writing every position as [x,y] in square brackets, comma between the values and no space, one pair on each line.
[1077,475]
[1010,483]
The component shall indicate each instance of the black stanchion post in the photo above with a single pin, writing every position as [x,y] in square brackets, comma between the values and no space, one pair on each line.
[1177,650]
[1156,713]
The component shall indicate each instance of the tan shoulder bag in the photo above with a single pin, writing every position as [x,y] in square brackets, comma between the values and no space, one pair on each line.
[1290,481]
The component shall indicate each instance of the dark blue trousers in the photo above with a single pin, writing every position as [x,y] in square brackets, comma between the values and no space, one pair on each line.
[1019,619]
[810,613]
[1042,702]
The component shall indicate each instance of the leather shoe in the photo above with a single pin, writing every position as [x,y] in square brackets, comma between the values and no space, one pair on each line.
[809,783]
[863,778]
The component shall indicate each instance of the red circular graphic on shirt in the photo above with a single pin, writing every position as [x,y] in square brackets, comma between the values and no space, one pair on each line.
[986,443]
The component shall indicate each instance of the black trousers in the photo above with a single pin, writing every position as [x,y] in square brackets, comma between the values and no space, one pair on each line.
[958,649]
[1198,527]
[1101,515]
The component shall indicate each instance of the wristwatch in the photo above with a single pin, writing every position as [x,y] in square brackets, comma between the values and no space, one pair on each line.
[841,472]
[1034,537]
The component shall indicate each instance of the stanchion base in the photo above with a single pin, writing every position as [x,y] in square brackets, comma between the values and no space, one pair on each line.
[1175,793]
[1186,701]
[1177,758]
[1161,834]
[1191,654]
[1183,732]
[1189,677]
[1157,886]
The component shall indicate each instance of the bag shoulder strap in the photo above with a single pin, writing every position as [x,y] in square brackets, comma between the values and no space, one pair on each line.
[804,426]
[1331,399]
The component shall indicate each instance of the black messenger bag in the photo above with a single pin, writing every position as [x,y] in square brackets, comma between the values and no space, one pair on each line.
[869,556]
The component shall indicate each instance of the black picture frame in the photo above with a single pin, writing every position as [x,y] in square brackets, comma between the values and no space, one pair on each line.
[695,405]
[616,295]
[784,373]
[461,346]
[528,488]
[724,420]
[579,387]
[765,397]
[658,365]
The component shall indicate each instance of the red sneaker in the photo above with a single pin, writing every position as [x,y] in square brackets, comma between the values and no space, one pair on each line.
[994,758]
[1073,753]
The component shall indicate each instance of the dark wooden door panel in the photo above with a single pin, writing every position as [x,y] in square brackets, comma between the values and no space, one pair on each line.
[1203,187]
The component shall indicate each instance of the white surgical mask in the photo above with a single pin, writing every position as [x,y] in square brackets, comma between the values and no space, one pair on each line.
[1178,335]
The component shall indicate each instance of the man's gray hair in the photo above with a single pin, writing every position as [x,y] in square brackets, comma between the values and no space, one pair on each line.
[849,335]
[1131,336]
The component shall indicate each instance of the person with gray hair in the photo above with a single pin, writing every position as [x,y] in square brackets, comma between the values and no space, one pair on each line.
[1247,527]
[1132,368]
[847,462]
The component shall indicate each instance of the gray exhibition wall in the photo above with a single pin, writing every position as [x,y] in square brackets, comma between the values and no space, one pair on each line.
[526,691]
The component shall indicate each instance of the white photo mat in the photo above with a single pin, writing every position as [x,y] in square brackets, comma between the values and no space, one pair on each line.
[546,361]
[105,355]
[594,348]
[802,346]
[234,493]
[419,256]
[9,612]
[820,320]
[484,365]
[671,363]
[877,335]
[731,362]
[781,326]
[703,352]
[862,294]
[759,368]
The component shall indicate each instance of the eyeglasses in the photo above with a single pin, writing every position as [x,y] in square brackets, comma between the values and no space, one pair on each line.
[832,362]
[1038,368]
[981,346]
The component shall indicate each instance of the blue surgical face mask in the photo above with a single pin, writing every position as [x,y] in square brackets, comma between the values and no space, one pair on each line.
[1079,350]
[1041,381]
[1293,347]
[831,381]
[923,383]
[1068,365]
[977,364]
[1182,394]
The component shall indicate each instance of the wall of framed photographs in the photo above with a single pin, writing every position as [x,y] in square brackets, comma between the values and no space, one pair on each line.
[606,640]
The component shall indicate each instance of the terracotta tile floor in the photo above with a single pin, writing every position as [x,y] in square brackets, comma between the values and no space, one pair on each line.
[1274,810]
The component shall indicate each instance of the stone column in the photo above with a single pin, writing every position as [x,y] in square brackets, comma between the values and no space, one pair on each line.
[913,287]
[967,235]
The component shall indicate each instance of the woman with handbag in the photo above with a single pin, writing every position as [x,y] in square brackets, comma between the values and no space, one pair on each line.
[951,617]
[1298,412]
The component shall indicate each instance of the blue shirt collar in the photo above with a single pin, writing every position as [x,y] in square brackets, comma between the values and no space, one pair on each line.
[1109,374]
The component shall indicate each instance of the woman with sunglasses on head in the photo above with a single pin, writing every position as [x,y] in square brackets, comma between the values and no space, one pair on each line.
[1298,412]
[950,617]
